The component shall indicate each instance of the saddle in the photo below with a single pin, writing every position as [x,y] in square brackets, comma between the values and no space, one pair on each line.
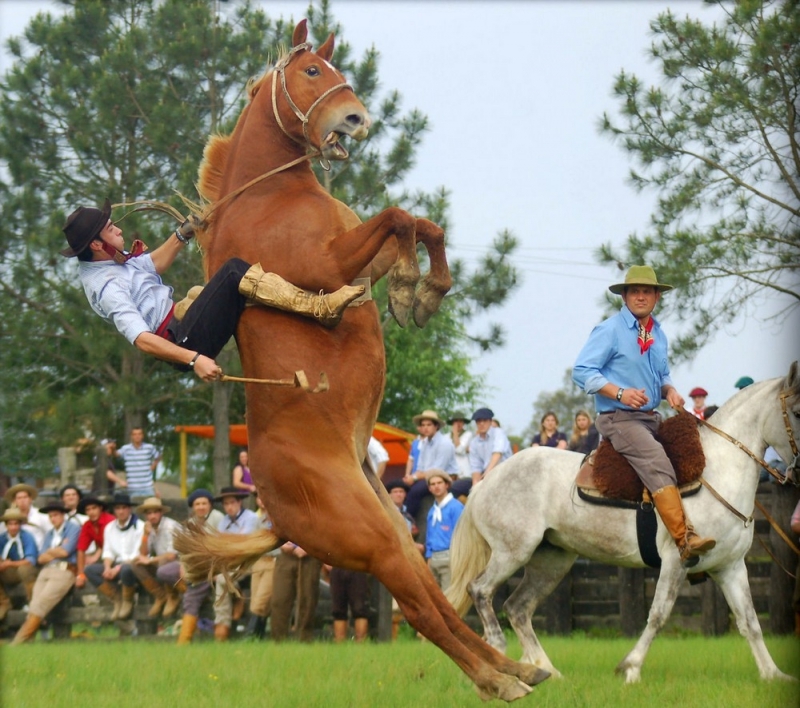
[606,477]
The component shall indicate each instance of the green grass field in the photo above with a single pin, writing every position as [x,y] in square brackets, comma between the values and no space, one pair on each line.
[686,672]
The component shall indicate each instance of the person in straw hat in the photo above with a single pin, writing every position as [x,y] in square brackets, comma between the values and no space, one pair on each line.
[18,554]
[126,290]
[436,452]
[56,569]
[22,497]
[624,365]
[156,551]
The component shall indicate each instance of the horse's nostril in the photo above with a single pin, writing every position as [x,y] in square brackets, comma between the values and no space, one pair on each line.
[355,119]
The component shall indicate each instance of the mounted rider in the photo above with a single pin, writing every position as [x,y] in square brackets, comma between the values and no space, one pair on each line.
[624,364]
[126,290]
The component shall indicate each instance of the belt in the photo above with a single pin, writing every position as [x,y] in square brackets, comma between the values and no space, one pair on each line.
[162,328]
[62,565]
[652,411]
[440,554]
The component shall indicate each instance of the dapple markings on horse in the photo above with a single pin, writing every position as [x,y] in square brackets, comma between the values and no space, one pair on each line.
[528,513]
[307,451]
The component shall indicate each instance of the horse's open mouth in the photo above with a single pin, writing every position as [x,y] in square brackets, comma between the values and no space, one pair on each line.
[332,149]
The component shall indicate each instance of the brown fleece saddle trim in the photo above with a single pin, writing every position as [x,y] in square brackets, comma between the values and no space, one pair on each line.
[606,477]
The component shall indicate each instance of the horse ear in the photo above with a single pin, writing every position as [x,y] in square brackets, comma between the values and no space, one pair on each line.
[326,50]
[793,379]
[300,33]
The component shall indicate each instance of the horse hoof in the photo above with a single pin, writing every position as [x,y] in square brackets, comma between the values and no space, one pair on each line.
[427,301]
[508,688]
[533,675]
[629,672]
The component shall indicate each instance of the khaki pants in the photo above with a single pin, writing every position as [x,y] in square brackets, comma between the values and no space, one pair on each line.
[261,586]
[440,567]
[51,586]
[25,574]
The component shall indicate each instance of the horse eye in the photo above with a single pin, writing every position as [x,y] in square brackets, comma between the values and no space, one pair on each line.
[312,71]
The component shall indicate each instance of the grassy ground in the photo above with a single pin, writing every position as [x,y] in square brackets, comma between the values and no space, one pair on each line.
[683,672]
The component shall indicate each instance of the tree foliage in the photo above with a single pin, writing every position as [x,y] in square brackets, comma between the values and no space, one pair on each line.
[718,142]
[116,98]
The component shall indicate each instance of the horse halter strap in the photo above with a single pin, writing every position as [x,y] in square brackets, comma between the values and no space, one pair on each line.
[792,442]
[280,70]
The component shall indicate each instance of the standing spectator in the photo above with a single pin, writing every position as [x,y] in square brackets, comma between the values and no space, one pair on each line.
[442,519]
[460,438]
[156,551]
[549,435]
[113,480]
[57,569]
[296,579]
[241,476]
[141,459]
[585,437]
[261,580]
[18,555]
[203,514]
[796,597]
[397,491]
[378,456]
[349,589]
[22,496]
[90,540]
[122,540]
[487,449]
[436,452]
[698,396]
[237,520]
[71,498]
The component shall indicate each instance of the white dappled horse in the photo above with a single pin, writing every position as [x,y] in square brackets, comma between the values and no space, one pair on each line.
[527,512]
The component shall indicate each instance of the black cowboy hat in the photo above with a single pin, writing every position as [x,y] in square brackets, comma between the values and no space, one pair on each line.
[396,484]
[90,499]
[232,492]
[83,226]
[55,506]
[121,499]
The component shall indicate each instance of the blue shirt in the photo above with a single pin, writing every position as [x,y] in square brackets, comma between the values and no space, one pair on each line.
[69,542]
[438,453]
[414,455]
[245,522]
[612,355]
[130,296]
[438,535]
[29,550]
[482,448]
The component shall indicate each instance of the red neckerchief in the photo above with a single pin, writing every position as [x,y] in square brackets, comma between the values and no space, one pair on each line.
[645,338]
[137,249]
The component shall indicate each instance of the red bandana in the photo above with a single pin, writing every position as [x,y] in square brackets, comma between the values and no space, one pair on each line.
[137,249]
[645,338]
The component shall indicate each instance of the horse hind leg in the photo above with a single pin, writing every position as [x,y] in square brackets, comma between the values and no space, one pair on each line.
[543,573]
[736,588]
[437,281]
[669,582]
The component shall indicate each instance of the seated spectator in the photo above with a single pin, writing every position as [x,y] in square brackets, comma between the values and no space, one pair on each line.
[261,581]
[156,551]
[585,437]
[436,452]
[397,491]
[202,513]
[413,455]
[122,540]
[296,579]
[18,556]
[22,497]
[378,456]
[442,519]
[460,438]
[487,449]
[70,498]
[237,520]
[57,569]
[90,540]
[549,435]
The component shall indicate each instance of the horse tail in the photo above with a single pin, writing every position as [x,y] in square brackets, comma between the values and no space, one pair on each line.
[469,556]
[205,553]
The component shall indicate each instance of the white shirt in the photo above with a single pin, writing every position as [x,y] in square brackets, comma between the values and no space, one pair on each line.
[122,546]
[377,452]
[462,454]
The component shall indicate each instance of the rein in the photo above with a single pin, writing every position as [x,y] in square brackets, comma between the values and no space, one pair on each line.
[300,380]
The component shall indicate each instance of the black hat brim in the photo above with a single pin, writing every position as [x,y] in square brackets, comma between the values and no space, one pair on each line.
[91,231]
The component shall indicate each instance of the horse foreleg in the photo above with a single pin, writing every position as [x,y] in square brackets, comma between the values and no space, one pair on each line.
[437,281]
[736,588]
[667,588]
[543,573]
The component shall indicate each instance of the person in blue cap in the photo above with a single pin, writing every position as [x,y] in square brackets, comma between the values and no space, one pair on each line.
[488,448]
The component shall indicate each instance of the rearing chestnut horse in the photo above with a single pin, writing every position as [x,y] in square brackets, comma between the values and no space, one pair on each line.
[307,450]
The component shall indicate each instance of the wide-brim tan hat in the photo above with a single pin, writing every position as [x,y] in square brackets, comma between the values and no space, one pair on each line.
[152,504]
[14,514]
[639,275]
[12,491]
[430,474]
[427,415]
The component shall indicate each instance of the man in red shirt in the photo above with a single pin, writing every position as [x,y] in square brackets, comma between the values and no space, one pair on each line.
[90,542]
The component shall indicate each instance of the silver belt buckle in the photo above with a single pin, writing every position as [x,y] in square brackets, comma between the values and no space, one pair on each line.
[61,565]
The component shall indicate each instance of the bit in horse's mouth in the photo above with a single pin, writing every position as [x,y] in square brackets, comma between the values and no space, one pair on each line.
[332,149]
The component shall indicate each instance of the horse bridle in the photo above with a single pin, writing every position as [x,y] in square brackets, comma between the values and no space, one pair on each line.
[280,70]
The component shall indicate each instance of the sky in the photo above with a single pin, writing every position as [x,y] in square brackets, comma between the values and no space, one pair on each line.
[514,92]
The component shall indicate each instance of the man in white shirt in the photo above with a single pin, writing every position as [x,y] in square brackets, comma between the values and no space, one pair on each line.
[122,541]
[37,524]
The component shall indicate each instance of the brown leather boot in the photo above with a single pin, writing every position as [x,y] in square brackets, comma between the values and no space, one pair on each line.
[670,509]
[188,626]
[126,606]
[28,629]
[221,632]
[109,591]
[173,602]
[159,594]
[272,290]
